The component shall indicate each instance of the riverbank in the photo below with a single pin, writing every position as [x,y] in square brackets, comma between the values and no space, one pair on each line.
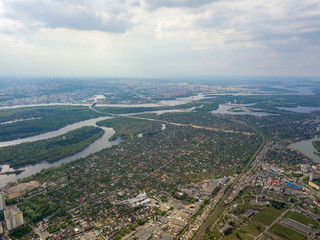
[307,148]
[316,145]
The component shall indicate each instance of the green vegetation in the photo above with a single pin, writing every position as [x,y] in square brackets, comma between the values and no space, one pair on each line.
[296,174]
[234,234]
[125,127]
[277,205]
[285,232]
[35,209]
[39,120]
[12,201]
[51,149]
[253,229]
[267,215]
[20,232]
[316,144]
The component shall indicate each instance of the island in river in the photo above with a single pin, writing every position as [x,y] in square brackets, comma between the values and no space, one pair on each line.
[316,144]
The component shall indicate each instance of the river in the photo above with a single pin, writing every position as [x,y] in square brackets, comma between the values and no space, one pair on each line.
[174,102]
[64,130]
[225,109]
[98,145]
[300,109]
[102,142]
[306,147]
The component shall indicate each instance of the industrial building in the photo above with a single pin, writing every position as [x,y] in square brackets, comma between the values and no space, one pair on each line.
[141,199]
[304,229]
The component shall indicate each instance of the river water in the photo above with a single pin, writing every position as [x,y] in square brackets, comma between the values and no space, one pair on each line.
[102,142]
[98,145]
[306,147]
[174,102]
[225,109]
[64,130]
[300,109]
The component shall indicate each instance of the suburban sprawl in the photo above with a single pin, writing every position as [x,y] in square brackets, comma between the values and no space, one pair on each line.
[182,160]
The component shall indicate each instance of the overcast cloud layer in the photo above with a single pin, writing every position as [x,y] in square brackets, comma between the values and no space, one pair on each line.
[141,38]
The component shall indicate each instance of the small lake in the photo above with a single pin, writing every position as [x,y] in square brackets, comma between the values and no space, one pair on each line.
[300,109]
[225,109]
[306,147]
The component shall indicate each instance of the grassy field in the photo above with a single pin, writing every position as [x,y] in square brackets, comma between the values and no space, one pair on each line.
[253,229]
[286,233]
[267,215]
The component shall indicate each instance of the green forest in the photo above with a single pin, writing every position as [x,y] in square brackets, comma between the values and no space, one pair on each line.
[37,120]
[316,144]
[124,126]
[50,150]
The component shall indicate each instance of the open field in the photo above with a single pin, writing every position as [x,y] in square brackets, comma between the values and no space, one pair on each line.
[21,189]
[267,215]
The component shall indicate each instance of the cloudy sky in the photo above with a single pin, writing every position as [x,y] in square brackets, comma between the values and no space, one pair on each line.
[152,38]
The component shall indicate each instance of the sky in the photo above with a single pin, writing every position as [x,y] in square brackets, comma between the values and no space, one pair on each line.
[159,38]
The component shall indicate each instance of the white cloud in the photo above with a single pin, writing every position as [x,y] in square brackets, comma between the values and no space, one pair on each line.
[124,37]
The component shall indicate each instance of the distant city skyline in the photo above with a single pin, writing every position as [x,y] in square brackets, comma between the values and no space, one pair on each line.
[159,38]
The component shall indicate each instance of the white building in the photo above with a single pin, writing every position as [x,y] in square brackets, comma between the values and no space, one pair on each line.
[13,217]
[306,168]
[141,199]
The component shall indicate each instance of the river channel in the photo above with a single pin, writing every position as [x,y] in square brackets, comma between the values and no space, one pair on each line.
[94,147]
[101,143]
[245,110]
[306,147]
[104,142]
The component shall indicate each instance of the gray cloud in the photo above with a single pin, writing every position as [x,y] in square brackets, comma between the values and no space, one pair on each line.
[177,3]
[297,24]
[108,16]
